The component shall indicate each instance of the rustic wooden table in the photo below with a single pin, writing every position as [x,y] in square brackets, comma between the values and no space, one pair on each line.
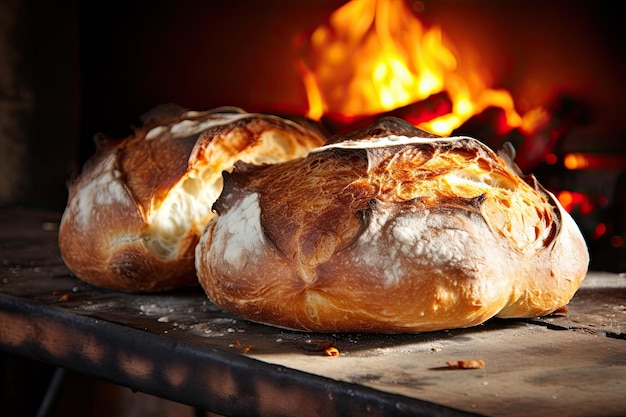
[179,346]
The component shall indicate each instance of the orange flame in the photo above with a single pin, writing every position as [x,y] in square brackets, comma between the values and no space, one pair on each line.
[577,161]
[375,55]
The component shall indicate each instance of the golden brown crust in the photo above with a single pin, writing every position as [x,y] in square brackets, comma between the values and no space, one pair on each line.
[136,211]
[389,229]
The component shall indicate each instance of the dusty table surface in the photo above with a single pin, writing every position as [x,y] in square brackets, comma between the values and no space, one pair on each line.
[180,346]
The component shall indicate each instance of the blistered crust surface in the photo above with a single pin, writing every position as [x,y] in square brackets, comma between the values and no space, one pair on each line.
[389,232]
[136,211]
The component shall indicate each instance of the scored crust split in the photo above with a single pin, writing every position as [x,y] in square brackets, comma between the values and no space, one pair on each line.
[389,229]
[136,211]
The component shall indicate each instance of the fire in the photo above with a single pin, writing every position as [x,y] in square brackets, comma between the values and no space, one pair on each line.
[375,55]
[576,161]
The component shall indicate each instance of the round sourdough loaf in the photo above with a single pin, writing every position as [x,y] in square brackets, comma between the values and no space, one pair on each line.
[389,229]
[136,211]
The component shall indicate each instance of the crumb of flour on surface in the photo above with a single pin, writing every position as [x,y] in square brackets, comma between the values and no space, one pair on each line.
[467,364]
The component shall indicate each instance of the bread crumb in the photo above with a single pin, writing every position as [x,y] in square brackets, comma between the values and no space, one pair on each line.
[331,351]
[467,364]
[64,297]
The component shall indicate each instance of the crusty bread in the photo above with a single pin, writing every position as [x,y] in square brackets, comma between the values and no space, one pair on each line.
[136,211]
[389,229]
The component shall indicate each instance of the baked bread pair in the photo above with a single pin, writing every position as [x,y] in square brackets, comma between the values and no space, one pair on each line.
[385,229]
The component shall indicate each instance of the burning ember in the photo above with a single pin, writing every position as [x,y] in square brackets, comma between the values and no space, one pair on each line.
[374,56]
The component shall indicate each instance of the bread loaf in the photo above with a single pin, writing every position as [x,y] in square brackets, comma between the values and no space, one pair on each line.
[389,229]
[136,211]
